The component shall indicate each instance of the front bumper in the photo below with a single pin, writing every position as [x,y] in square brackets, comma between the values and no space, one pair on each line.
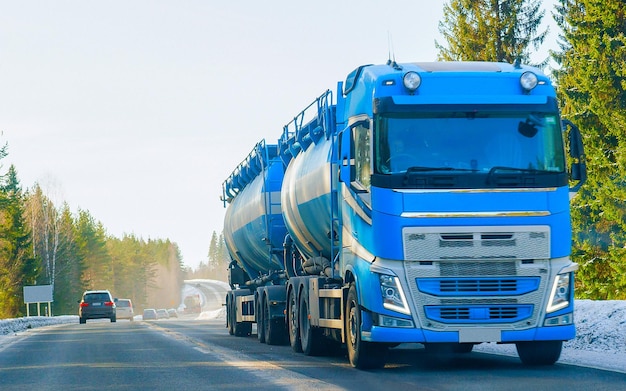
[408,335]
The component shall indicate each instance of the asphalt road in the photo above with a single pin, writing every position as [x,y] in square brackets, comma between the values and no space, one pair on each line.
[193,355]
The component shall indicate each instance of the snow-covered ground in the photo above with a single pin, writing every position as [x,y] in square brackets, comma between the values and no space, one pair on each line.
[600,337]
[600,341]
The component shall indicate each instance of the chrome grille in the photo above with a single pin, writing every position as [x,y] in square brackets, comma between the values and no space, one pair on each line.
[476,243]
[468,275]
[494,268]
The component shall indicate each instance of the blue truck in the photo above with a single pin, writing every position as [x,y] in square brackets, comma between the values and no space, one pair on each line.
[422,203]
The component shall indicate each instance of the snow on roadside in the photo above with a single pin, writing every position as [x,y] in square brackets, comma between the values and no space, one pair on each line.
[600,326]
[12,326]
[211,315]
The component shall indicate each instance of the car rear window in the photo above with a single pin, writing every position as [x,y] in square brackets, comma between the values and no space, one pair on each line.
[123,303]
[97,297]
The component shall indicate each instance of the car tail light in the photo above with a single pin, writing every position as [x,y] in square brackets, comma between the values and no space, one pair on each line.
[109,303]
[83,305]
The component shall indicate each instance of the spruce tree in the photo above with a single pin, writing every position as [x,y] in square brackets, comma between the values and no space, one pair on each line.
[18,267]
[69,268]
[98,273]
[491,30]
[592,89]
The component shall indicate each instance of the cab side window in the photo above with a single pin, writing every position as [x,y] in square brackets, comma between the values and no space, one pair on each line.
[362,157]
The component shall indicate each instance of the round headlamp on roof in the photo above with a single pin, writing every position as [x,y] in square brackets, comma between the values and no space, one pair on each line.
[528,81]
[411,81]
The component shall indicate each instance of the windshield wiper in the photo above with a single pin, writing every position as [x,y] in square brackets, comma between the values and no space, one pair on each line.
[514,169]
[425,168]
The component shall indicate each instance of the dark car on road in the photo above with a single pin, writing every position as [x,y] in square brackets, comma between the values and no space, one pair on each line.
[97,304]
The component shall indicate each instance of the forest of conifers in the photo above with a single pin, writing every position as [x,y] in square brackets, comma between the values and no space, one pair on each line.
[46,244]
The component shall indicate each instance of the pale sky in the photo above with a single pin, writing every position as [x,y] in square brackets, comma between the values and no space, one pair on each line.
[137,111]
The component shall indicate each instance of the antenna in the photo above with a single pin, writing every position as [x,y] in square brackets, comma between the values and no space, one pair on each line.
[392,54]
[391,49]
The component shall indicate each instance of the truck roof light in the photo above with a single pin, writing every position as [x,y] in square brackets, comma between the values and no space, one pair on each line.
[528,80]
[412,81]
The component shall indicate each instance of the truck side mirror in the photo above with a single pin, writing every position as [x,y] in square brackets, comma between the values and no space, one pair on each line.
[578,169]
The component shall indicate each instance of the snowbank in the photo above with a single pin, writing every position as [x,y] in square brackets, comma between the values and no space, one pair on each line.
[12,326]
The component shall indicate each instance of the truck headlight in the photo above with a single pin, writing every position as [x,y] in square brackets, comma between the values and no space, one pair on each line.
[411,81]
[528,81]
[392,294]
[561,292]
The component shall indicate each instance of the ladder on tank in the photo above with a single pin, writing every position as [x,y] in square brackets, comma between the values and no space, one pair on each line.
[326,112]
[270,204]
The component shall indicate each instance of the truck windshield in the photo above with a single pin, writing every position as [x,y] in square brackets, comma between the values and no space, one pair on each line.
[472,142]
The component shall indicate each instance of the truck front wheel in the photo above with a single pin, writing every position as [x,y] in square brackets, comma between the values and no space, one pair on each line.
[539,352]
[362,354]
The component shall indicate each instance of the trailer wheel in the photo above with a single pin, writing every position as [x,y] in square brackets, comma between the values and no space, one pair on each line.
[292,322]
[240,329]
[260,319]
[362,354]
[243,329]
[229,314]
[275,333]
[310,337]
[539,352]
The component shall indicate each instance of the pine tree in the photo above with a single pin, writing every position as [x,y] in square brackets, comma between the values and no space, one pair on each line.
[213,253]
[491,30]
[69,284]
[592,90]
[92,239]
[18,267]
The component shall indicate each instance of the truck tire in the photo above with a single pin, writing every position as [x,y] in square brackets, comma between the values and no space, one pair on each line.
[82,320]
[362,354]
[275,333]
[310,337]
[260,318]
[240,329]
[229,314]
[539,352]
[292,321]
[243,329]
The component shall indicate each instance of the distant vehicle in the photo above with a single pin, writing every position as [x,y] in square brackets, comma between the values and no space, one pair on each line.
[192,304]
[162,314]
[96,304]
[172,313]
[124,309]
[149,313]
